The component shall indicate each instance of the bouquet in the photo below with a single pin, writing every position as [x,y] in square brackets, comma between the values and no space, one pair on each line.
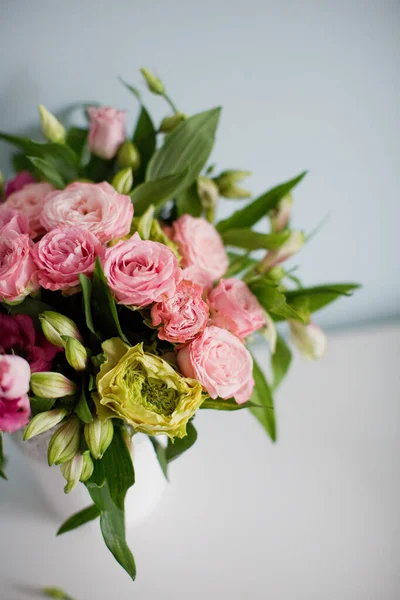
[125,309]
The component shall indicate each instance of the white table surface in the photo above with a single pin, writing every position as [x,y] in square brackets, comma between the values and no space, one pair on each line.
[315,517]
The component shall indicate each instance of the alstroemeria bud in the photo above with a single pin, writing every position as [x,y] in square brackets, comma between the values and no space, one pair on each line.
[65,442]
[72,471]
[51,127]
[88,466]
[154,84]
[281,214]
[54,325]
[309,339]
[170,123]
[226,183]
[128,156]
[274,257]
[48,384]
[98,436]
[209,194]
[44,421]
[75,353]
[123,181]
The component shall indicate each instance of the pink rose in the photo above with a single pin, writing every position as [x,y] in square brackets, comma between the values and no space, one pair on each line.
[30,201]
[234,307]
[96,207]
[18,182]
[201,247]
[12,220]
[140,272]
[18,274]
[183,315]
[221,363]
[107,131]
[14,385]
[63,253]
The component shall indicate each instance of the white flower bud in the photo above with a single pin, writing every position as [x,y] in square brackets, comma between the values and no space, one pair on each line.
[98,436]
[75,353]
[88,466]
[226,183]
[292,245]
[48,384]
[44,421]
[309,339]
[72,471]
[51,127]
[281,214]
[54,325]
[65,442]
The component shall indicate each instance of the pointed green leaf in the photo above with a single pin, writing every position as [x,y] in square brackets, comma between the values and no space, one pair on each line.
[47,172]
[39,405]
[82,408]
[239,263]
[256,210]
[118,469]
[228,405]
[132,89]
[319,296]
[181,445]
[156,192]
[262,395]
[98,477]
[161,453]
[104,309]
[86,286]
[274,301]
[188,202]
[145,140]
[188,146]
[280,361]
[80,518]
[77,139]
[2,459]
[253,240]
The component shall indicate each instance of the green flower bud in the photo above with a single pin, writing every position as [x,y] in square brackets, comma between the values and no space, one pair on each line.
[44,421]
[49,384]
[72,471]
[98,436]
[226,183]
[168,124]
[123,181]
[51,127]
[54,325]
[154,84]
[209,193]
[75,353]
[88,466]
[276,273]
[145,222]
[128,156]
[65,442]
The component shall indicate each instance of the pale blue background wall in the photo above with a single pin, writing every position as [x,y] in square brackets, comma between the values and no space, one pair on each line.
[311,84]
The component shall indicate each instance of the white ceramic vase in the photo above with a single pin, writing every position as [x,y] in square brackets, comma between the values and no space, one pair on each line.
[140,501]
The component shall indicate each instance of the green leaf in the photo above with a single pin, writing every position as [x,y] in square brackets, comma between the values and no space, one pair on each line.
[188,202]
[262,395]
[39,405]
[230,404]
[239,263]
[47,172]
[161,453]
[181,445]
[132,89]
[103,306]
[77,139]
[319,296]
[273,300]
[145,140]
[156,192]
[30,306]
[252,240]
[280,361]
[55,592]
[2,459]
[188,146]
[80,518]
[20,162]
[82,408]
[118,469]
[98,477]
[60,156]
[256,210]
[86,285]
[98,169]
[112,524]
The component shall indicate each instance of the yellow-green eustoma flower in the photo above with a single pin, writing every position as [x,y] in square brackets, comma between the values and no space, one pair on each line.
[144,391]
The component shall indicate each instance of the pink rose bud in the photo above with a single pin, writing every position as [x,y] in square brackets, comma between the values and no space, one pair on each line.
[62,254]
[234,307]
[18,273]
[14,385]
[13,220]
[96,207]
[274,257]
[140,272]
[183,315]
[281,214]
[30,201]
[309,339]
[201,247]
[107,131]
[221,363]
[18,182]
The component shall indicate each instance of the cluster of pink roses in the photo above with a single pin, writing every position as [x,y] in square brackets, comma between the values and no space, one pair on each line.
[48,237]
